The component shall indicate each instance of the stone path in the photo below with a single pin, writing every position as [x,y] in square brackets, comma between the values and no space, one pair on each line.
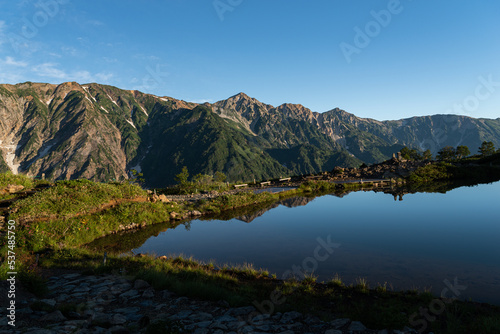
[114,304]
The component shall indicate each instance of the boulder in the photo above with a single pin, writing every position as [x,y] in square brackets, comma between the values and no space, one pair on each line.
[140,284]
[54,316]
[14,188]
[163,198]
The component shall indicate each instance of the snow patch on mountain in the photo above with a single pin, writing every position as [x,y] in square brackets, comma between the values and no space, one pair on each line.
[131,123]
[10,156]
[112,100]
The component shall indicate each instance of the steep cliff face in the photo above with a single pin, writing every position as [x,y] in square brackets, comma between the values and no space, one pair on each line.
[101,132]
[61,131]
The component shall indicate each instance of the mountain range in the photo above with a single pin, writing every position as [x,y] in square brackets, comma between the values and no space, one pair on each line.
[101,132]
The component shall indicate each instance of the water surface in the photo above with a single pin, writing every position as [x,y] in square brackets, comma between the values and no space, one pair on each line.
[418,242]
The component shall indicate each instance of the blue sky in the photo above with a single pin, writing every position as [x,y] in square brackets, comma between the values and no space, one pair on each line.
[379,59]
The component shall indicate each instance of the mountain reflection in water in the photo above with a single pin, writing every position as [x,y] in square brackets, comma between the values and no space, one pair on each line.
[432,235]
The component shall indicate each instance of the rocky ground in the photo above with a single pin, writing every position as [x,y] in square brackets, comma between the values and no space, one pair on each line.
[390,169]
[115,304]
[393,168]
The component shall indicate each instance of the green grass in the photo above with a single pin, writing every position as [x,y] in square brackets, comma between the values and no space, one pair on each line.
[19,179]
[472,169]
[72,197]
[362,285]
[432,172]
[75,231]
[195,188]
[336,281]
[238,200]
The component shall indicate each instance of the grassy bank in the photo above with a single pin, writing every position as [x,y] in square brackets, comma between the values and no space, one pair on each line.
[471,169]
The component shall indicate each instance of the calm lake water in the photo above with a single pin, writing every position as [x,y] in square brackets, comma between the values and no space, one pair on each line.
[427,240]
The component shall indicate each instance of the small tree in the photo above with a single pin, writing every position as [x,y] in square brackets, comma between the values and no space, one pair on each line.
[202,179]
[462,151]
[410,154]
[447,153]
[137,178]
[220,177]
[487,148]
[182,177]
[405,153]
[427,155]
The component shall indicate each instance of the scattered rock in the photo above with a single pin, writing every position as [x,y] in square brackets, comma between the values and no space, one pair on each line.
[290,316]
[118,319]
[50,302]
[333,331]
[339,323]
[356,326]
[149,293]
[54,316]
[175,216]
[14,188]
[140,284]
[163,198]
[111,304]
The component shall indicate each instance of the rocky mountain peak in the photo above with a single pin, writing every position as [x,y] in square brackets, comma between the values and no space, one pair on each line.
[295,111]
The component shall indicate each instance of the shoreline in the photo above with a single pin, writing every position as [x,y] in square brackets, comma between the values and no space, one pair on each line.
[67,250]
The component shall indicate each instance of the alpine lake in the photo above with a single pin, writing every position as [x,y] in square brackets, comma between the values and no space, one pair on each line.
[445,240]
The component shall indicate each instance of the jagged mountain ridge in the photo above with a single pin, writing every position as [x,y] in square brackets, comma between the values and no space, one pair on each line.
[101,132]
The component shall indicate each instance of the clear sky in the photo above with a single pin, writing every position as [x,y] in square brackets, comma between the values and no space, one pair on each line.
[380,59]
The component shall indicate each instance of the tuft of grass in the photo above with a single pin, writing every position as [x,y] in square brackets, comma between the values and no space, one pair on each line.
[362,285]
[381,288]
[249,269]
[309,279]
[289,286]
[336,281]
